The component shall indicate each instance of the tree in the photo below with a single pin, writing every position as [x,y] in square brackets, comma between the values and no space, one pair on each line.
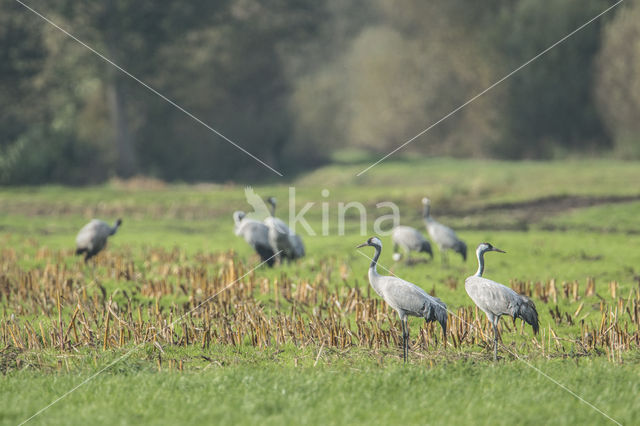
[549,104]
[618,81]
[130,33]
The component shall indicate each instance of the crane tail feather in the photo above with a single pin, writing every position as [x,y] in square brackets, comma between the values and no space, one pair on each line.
[266,254]
[462,250]
[528,313]
[438,312]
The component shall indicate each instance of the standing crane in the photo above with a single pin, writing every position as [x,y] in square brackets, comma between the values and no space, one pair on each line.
[442,235]
[405,298]
[92,238]
[409,239]
[282,237]
[495,299]
[256,234]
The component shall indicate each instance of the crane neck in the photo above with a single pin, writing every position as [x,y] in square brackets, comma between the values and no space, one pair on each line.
[374,261]
[480,255]
[114,228]
[426,212]
[237,218]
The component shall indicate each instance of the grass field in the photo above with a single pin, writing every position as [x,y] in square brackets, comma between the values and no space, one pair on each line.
[310,342]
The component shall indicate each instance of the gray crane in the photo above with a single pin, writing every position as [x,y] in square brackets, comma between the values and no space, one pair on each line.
[495,299]
[406,298]
[281,237]
[256,234]
[442,235]
[93,237]
[409,239]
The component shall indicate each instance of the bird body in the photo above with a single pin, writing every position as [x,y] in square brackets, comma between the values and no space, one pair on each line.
[92,238]
[409,239]
[495,299]
[297,245]
[256,234]
[442,235]
[279,238]
[406,298]
[288,244]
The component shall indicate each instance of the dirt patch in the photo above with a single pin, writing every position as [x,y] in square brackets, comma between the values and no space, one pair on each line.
[536,209]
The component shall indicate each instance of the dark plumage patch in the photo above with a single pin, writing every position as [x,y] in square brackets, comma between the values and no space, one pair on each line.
[526,311]
[426,248]
[436,312]
[266,254]
[461,248]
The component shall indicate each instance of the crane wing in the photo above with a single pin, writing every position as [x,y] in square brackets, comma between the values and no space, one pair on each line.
[490,296]
[443,235]
[403,295]
[407,237]
[93,235]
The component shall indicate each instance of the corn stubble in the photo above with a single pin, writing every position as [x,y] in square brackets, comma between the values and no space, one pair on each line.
[206,301]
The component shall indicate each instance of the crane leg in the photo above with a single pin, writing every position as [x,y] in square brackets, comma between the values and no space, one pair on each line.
[495,340]
[405,339]
[93,269]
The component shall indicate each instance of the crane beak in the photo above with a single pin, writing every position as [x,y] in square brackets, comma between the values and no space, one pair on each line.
[362,245]
[498,250]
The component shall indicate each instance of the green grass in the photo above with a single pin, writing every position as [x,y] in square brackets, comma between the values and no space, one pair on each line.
[247,385]
[363,393]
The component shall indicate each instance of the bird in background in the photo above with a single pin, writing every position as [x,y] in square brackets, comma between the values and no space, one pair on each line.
[409,239]
[92,238]
[406,298]
[495,299]
[283,241]
[443,236]
[256,234]
[279,235]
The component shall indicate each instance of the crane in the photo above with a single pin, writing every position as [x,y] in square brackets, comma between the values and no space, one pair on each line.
[404,297]
[92,238]
[409,239]
[282,237]
[256,234]
[442,235]
[495,299]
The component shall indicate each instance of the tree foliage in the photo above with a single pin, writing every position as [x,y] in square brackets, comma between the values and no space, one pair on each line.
[618,81]
[294,80]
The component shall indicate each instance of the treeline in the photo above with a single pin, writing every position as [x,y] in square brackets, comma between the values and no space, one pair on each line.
[294,80]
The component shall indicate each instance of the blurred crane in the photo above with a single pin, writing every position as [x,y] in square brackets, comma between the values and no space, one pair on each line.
[442,235]
[256,234]
[92,238]
[406,298]
[409,239]
[495,299]
[282,237]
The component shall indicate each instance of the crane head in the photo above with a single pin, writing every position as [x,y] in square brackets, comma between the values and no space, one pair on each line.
[426,201]
[484,247]
[118,222]
[238,215]
[373,241]
[271,200]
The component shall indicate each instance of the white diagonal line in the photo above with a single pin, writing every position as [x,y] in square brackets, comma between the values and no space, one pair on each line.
[146,86]
[492,86]
[545,375]
[93,376]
